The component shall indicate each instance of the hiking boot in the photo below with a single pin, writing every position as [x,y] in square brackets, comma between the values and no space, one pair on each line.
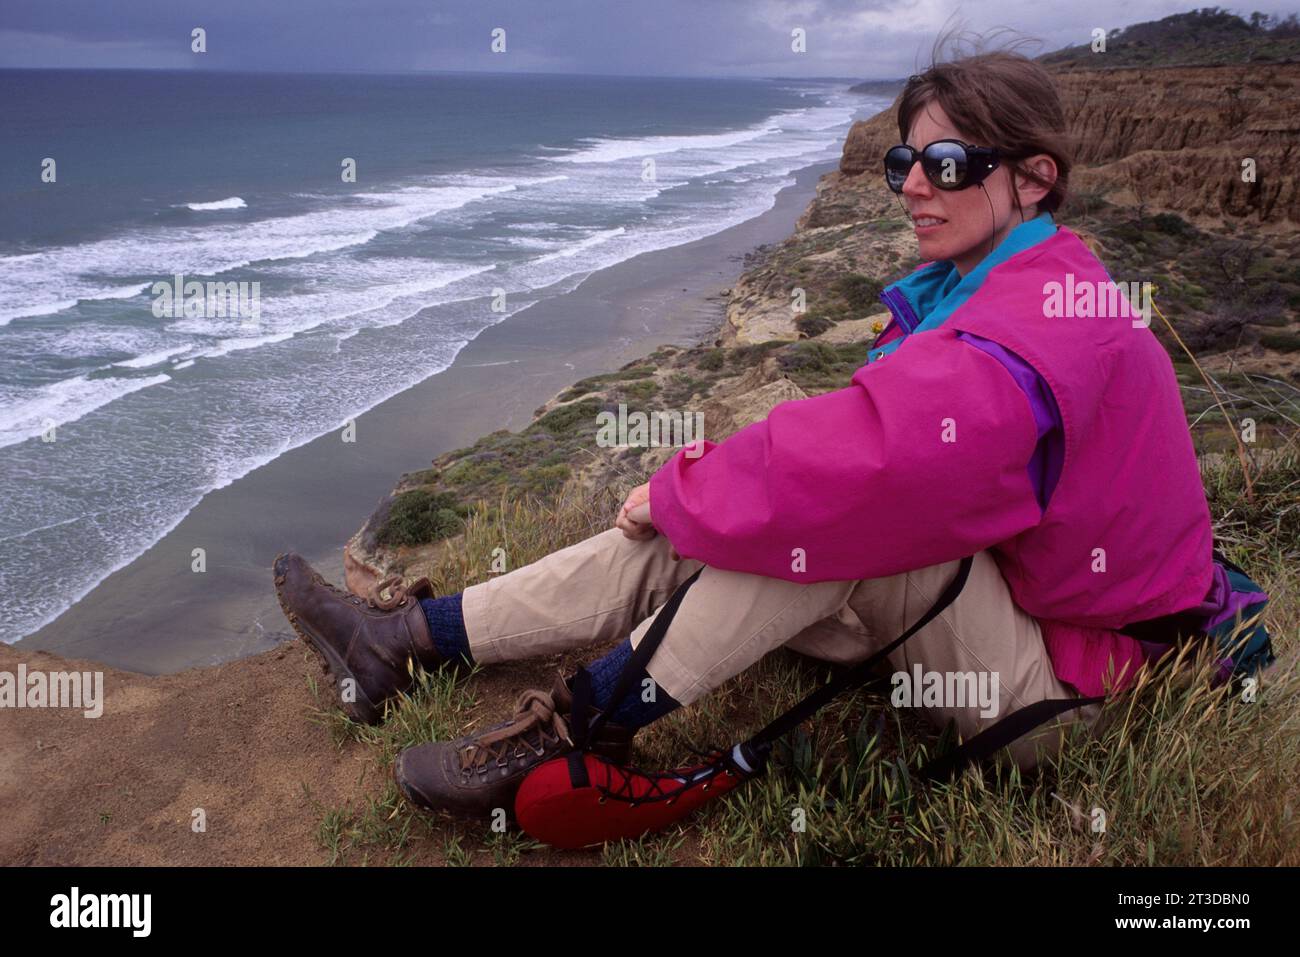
[473,775]
[367,640]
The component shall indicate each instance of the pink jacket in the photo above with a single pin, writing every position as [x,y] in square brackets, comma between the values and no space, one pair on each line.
[922,460]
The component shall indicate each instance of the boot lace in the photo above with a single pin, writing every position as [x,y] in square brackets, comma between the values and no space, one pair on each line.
[534,711]
[374,596]
[397,593]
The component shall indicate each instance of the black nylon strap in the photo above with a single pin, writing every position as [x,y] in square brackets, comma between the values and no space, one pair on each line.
[983,744]
[635,665]
[1001,734]
[1165,630]
[578,729]
[859,673]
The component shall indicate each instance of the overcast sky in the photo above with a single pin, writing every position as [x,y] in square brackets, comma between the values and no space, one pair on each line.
[845,38]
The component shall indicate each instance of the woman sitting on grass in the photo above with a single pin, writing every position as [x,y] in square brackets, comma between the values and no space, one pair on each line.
[1054,450]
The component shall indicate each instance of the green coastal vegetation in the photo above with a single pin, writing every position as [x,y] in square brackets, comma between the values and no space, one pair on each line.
[1209,36]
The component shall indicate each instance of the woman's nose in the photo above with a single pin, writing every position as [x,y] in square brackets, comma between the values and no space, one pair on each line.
[916,183]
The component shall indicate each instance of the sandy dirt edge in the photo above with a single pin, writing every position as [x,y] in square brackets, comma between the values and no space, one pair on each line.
[236,740]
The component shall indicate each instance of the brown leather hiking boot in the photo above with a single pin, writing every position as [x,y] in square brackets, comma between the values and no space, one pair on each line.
[475,774]
[364,643]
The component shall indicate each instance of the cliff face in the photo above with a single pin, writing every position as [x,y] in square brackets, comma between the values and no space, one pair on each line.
[1169,138]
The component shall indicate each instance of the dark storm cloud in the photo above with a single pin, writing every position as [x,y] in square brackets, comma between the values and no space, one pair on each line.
[867,38]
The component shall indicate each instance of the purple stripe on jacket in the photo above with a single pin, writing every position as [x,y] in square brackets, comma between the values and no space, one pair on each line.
[1049,453]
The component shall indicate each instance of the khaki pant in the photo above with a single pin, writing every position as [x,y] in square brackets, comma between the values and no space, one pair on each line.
[609,587]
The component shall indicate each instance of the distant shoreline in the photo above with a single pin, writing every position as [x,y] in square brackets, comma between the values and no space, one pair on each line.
[157,616]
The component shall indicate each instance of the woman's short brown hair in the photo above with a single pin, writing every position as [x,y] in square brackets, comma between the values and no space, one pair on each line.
[999,99]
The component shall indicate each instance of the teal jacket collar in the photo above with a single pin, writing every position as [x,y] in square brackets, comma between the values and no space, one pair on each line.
[925,298]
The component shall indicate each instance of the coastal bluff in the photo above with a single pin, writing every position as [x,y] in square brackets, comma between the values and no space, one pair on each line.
[1173,138]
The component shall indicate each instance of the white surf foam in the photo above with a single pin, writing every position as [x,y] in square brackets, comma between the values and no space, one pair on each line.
[60,403]
[76,291]
[612,150]
[234,202]
[56,279]
[152,358]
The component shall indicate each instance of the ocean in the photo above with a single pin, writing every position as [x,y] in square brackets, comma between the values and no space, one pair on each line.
[475,196]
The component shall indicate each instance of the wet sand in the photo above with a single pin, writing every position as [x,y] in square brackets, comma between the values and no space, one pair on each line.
[157,616]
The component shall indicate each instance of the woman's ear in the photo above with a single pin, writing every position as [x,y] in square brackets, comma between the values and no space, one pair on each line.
[1029,191]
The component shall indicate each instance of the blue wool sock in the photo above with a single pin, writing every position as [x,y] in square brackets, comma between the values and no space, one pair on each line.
[631,712]
[447,625]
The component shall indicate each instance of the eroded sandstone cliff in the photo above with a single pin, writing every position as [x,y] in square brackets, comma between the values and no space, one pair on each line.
[1173,138]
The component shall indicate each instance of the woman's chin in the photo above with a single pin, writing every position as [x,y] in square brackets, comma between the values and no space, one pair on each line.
[942,248]
[932,249]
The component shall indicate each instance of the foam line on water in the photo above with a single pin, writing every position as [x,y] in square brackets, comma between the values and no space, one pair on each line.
[234,202]
[61,403]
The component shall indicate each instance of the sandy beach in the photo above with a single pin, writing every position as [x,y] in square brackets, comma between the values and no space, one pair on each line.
[158,616]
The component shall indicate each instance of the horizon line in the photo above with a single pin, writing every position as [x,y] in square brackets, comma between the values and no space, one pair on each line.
[269,72]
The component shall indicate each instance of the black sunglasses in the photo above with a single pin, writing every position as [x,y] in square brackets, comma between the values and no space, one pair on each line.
[948,164]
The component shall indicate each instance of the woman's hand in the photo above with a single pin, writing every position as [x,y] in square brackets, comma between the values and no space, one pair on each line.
[634,517]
